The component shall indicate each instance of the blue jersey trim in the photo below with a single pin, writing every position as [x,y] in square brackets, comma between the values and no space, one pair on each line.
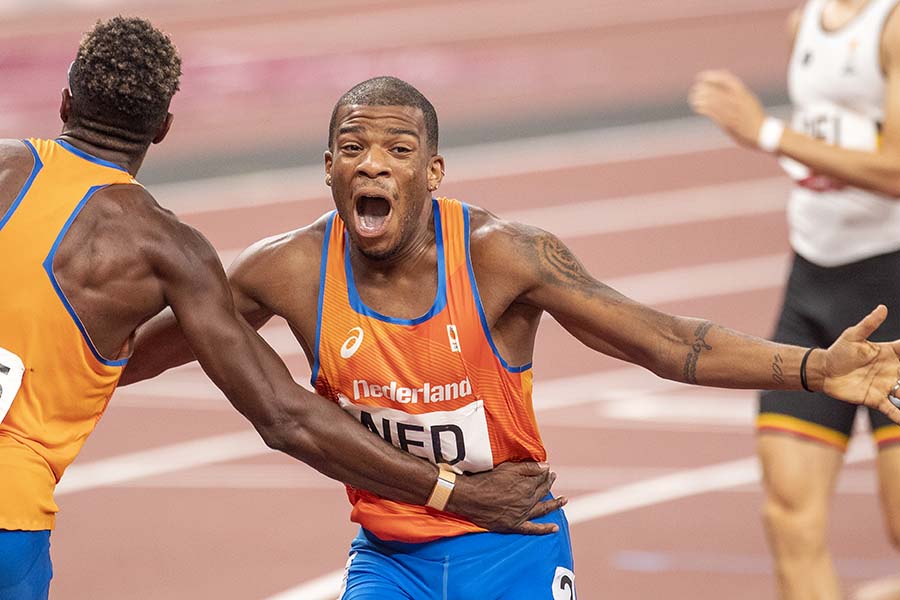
[440,298]
[321,300]
[38,165]
[481,315]
[48,267]
[90,157]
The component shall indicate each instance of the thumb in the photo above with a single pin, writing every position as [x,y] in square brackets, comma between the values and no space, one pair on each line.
[862,330]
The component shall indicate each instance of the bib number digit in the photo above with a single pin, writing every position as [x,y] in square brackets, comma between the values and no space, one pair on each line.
[11,372]
[563,584]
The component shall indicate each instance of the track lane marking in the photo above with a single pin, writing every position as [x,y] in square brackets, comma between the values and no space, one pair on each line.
[642,494]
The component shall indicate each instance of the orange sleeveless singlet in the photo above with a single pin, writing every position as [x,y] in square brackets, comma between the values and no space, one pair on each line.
[435,386]
[54,385]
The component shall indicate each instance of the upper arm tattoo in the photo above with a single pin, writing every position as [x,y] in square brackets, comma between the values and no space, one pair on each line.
[558,266]
[698,346]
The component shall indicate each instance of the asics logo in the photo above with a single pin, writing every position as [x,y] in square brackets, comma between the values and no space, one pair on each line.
[353,342]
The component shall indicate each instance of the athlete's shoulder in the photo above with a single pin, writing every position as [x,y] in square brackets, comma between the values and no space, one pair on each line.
[169,244]
[15,155]
[490,233]
[291,257]
[302,244]
[504,248]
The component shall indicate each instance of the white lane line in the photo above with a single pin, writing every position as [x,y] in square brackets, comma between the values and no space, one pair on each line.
[650,492]
[693,205]
[637,212]
[189,390]
[559,393]
[156,461]
[464,163]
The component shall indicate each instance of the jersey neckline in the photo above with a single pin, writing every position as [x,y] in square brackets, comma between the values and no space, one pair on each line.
[440,297]
[89,157]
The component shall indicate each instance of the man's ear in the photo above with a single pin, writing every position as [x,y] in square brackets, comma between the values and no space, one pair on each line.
[435,172]
[329,160]
[65,106]
[164,128]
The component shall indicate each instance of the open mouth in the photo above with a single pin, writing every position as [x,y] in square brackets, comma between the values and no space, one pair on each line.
[372,214]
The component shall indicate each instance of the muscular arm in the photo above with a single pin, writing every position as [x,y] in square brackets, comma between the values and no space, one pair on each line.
[206,322]
[549,277]
[678,348]
[259,386]
[723,98]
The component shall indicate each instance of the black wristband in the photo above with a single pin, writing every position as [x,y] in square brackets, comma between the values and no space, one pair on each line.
[803,381]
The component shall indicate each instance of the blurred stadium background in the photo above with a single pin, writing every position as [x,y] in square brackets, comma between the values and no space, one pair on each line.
[570,115]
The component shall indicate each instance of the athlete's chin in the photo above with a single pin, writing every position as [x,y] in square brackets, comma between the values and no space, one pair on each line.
[376,248]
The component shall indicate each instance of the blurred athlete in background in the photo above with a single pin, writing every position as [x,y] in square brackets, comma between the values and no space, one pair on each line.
[842,148]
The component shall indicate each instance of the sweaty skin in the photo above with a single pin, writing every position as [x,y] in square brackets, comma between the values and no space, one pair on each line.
[382,151]
[125,259]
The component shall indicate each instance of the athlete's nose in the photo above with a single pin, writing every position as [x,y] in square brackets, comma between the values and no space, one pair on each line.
[374,163]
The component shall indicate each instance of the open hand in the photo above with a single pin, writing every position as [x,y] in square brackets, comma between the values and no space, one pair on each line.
[725,99]
[506,499]
[864,372]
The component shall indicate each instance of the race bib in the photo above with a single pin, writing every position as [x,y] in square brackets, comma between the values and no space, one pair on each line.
[11,372]
[835,126]
[458,438]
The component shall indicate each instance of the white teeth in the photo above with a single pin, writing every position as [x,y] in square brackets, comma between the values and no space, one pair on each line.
[371,222]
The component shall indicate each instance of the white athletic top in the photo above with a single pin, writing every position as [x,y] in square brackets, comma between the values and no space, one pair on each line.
[837,89]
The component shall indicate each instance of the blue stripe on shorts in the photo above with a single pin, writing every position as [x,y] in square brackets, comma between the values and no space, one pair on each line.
[25,569]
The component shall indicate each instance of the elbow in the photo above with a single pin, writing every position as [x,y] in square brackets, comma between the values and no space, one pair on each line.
[292,438]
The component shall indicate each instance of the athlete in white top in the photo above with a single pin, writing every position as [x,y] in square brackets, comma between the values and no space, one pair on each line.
[842,148]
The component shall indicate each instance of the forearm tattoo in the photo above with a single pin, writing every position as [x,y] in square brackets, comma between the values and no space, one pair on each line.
[778,369]
[699,345]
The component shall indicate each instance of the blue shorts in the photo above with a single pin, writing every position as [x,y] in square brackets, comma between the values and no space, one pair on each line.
[487,566]
[25,569]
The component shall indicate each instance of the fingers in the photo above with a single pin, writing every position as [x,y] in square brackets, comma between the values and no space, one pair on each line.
[541,509]
[531,528]
[526,469]
[548,506]
[890,410]
[862,330]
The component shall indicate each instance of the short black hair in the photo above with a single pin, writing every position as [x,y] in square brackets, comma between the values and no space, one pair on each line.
[124,75]
[388,91]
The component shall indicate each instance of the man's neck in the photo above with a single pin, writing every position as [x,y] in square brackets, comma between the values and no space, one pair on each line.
[126,153]
[416,253]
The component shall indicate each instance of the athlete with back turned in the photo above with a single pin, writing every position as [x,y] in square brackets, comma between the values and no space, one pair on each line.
[88,256]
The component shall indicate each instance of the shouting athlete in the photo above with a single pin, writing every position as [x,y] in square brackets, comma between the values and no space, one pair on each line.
[418,317]
[88,256]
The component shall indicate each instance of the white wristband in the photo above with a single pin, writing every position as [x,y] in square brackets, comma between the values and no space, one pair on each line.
[770,135]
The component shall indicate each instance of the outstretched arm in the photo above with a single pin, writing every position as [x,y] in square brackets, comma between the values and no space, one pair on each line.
[694,350]
[307,426]
[725,99]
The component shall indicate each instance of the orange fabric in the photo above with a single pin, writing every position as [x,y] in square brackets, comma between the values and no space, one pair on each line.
[66,386]
[433,386]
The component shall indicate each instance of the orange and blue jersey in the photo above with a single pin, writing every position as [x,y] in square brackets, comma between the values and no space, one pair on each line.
[54,384]
[435,386]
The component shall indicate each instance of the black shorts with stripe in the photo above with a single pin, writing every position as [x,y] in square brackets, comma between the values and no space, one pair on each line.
[819,303]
